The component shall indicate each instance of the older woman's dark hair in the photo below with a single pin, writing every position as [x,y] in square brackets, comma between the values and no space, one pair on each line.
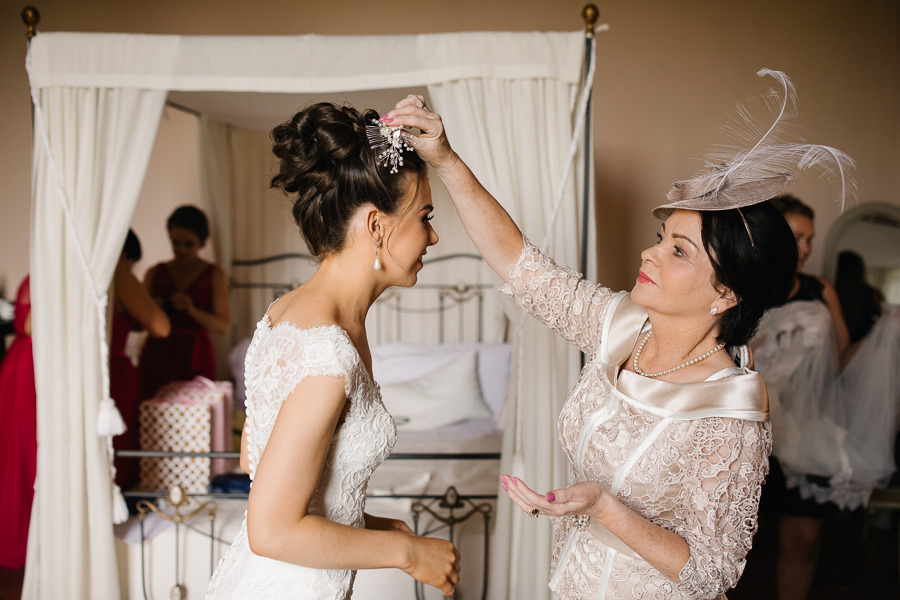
[191,218]
[325,159]
[791,205]
[760,271]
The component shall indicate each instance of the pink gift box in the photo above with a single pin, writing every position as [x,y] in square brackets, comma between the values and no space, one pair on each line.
[179,427]
[191,416]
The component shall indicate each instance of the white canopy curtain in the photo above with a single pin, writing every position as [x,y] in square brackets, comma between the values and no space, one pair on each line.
[99,141]
[100,96]
[499,127]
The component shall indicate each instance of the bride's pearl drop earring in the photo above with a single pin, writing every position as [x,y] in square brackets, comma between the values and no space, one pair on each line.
[377,259]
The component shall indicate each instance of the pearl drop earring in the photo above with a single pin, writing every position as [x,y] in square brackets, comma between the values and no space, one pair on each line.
[377,259]
[714,311]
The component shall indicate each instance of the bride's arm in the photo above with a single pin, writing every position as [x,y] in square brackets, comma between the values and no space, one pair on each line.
[279,525]
[385,524]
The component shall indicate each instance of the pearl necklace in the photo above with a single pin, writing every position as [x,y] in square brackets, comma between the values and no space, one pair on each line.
[693,361]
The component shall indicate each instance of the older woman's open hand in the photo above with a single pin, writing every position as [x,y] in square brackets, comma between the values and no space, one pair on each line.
[583,498]
[431,144]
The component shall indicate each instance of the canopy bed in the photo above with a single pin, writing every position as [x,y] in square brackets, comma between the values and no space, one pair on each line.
[519,117]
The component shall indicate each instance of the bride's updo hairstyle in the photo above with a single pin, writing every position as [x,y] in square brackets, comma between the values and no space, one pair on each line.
[760,271]
[325,159]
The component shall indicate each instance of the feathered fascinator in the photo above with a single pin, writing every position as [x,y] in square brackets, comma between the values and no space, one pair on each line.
[734,176]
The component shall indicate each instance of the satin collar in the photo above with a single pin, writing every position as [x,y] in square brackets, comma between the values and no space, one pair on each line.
[740,396]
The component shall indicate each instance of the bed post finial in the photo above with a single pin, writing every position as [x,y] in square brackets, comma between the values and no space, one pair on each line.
[590,13]
[30,16]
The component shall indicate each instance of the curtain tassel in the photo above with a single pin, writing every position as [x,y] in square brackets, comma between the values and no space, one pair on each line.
[119,507]
[109,420]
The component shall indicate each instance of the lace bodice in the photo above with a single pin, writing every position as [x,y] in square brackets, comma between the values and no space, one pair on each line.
[277,359]
[680,455]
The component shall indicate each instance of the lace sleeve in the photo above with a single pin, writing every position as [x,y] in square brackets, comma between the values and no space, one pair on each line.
[559,297]
[276,368]
[722,498]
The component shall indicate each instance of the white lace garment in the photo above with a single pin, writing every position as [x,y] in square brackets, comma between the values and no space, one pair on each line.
[278,358]
[695,472]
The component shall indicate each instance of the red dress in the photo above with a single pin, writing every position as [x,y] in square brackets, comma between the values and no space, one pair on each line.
[18,438]
[123,388]
[188,351]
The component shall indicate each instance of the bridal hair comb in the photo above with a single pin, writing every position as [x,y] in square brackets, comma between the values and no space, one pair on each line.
[733,176]
[390,141]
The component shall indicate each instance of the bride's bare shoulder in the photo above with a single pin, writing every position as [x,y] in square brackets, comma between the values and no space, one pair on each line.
[301,308]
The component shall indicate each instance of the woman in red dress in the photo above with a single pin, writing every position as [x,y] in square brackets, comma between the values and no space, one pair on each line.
[18,436]
[194,295]
[134,309]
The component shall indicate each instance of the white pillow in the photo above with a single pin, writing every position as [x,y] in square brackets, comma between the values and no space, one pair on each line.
[398,362]
[444,396]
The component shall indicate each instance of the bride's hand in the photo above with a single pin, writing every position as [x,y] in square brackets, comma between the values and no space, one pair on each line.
[431,144]
[435,562]
[585,498]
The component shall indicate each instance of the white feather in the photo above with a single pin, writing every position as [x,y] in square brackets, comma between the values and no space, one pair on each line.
[774,147]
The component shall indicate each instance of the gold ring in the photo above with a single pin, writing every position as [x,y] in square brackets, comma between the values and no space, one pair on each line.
[535,513]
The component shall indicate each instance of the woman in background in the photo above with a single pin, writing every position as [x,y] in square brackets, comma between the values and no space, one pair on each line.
[798,350]
[194,295]
[801,219]
[860,302]
[18,436]
[133,309]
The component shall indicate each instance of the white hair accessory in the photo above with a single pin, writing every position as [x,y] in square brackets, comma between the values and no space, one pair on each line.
[734,176]
[390,139]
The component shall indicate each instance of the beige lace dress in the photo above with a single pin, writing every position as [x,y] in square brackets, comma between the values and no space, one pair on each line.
[688,457]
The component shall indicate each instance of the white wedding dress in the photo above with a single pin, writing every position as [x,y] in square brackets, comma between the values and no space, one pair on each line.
[277,360]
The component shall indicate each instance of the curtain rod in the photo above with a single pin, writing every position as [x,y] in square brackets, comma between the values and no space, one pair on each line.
[183,108]
[31,16]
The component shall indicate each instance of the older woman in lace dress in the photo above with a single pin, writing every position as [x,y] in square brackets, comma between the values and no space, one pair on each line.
[666,431]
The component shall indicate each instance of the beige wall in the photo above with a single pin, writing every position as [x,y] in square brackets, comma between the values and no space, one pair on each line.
[667,73]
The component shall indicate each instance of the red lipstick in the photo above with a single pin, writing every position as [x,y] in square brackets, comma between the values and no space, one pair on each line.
[642,278]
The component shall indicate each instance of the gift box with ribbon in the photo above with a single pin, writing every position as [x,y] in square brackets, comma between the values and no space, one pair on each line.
[186,416]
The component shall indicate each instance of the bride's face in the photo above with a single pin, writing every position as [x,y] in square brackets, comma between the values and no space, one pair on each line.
[411,234]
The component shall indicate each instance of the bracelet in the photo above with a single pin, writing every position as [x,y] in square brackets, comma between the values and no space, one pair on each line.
[580,522]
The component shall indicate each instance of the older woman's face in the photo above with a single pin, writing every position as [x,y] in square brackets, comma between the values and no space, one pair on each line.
[676,277]
[804,232]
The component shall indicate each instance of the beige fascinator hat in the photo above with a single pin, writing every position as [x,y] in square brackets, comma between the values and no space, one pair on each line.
[734,176]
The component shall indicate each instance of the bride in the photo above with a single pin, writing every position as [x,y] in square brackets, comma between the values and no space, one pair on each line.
[316,428]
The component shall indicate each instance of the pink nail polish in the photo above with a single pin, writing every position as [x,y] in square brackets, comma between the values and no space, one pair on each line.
[503,483]
[551,496]
[515,482]
[387,120]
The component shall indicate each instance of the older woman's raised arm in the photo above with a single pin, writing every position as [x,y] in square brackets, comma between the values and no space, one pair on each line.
[493,231]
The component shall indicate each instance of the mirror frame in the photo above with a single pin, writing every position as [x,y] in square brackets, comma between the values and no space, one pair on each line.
[848,219]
